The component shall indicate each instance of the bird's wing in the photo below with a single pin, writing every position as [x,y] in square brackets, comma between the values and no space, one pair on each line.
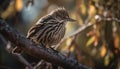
[33,30]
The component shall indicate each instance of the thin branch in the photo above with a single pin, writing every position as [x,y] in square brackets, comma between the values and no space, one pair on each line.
[86,26]
[38,51]
[81,29]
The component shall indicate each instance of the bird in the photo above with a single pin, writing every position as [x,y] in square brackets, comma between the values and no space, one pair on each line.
[50,29]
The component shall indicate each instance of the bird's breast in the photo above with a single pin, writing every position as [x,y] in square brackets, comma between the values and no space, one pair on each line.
[57,35]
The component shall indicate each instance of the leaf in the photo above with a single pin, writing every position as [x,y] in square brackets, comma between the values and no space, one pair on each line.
[96,41]
[92,10]
[103,50]
[9,11]
[106,60]
[69,40]
[90,41]
[83,8]
[116,40]
[72,48]
[19,5]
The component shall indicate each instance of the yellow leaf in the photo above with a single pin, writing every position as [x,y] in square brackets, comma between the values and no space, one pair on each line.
[83,9]
[9,11]
[69,40]
[90,41]
[103,51]
[96,40]
[92,10]
[19,5]
[116,41]
[72,48]
[106,60]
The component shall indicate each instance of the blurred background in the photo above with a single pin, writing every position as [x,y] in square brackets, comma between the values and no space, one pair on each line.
[97,46]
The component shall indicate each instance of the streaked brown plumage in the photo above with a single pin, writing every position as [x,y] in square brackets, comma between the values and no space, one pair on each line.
[50,29]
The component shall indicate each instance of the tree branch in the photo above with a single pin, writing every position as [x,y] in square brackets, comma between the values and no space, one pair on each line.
[38,51]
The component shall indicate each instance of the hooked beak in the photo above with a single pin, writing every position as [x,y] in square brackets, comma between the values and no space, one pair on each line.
[71,20]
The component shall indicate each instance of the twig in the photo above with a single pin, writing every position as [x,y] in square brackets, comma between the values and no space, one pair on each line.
[81,29]
[38,51]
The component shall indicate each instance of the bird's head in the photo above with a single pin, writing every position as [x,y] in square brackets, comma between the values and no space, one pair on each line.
[61,14]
